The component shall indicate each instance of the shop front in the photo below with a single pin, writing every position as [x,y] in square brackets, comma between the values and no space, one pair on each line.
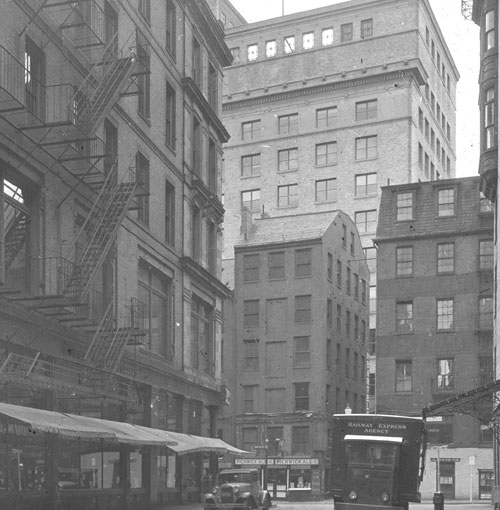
[292,478]
[56,461]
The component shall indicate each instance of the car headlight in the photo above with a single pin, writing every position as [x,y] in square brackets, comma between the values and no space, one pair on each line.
[353,496]
[385,497]
[236,490]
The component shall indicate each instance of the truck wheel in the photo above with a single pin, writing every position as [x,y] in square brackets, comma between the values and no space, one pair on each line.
[248,504]
[267,502]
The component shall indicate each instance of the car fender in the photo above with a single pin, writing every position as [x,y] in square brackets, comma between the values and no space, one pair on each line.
[263,495]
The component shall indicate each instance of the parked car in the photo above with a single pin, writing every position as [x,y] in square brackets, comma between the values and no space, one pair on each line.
[237,488]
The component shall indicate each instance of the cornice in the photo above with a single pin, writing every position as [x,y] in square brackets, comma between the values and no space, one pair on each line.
[340,83]
[191,87]
[203,276]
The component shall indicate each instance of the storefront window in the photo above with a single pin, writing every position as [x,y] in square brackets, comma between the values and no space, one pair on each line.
[166,469]
[300,479]
[135,474]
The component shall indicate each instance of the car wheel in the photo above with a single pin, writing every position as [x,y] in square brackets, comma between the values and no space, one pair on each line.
[267,502]
[248,504]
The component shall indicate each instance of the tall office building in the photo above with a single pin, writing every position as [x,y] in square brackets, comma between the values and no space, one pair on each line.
[325,106]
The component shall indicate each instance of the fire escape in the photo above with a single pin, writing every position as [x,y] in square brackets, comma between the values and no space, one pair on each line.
[62,120]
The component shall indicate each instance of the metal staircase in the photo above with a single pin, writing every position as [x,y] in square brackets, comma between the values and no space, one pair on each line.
[15,234]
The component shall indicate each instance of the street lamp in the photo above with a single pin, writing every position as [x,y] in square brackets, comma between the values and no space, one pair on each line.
[266,446]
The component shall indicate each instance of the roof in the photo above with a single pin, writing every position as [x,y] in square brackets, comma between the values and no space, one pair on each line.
[283,229]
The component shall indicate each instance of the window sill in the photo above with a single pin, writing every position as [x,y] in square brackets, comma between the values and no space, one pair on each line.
[366,159]
[251,281]
[445,331]
[301,276]
[249,176]
[288,206]
[319,202]
[288,171]
[362,197]
[326,165]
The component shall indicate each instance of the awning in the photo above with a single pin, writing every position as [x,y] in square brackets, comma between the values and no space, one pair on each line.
[188,443]
[380,439]
[465,403]
[72,425]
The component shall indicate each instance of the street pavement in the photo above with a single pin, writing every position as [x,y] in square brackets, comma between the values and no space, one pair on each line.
[328,505]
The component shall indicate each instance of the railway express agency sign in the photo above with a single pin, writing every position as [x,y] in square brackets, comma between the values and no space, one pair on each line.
[375,428]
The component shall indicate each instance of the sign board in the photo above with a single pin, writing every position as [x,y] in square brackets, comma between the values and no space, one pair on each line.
[446,459]
[279,461]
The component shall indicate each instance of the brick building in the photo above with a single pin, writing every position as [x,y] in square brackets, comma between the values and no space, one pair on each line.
[300,322]
[110,244]
[327,105]
[435,322]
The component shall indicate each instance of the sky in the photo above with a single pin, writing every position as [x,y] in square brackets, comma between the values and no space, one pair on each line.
[462,37]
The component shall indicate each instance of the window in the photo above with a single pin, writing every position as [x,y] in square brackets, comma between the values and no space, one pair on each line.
[300,440]
[404,317]
[303,262]
[288,195]
[195,234]
[301,396]
[308,41]
[363,292]
[169,213]
[249,438]
[366,147]
[366,28]
[339,273]
[250,165]
[327,36]
[288,123]
[352,243]
[485,370]
[213,166]
[250,354]
[289,44]
[170,116]
[301,352]
[366,221]
[276,265]
[155,291]
[489,30]
[366,110]
[145,9]
[485,313]
[446,202]
[346,32]
[250,129]
[348,280]
[326,153]
[365,184]
[171,35]
[420,155]
[302,308]
[371,259]
[251,313]
[329,271]
[344,236]
[338,359]
[489,119]
[445,258]
[144,79]
[326,117]
[211,247]
[249,398]
[444,314]
[445,374]
[326,190]
[251,200]
[252,52]
[486,250]
[251,267]
[202,336]
[404,260]
[329,312]
[213,88]
[196,154]
[142,169]
[34,79]
[235,52]
[270,48]
[356,337]
[485,205]
[288,160]
[347,361]
[404,375]
[448,131]
[404,206]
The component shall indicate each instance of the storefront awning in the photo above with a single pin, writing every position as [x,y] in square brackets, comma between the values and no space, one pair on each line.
[72,425]
[187,443]
[76,426]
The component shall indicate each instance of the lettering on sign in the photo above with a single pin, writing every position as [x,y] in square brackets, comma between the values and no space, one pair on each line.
[281,461]
[377,428]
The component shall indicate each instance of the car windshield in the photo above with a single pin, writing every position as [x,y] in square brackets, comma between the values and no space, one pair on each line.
[371,454]
[235,478]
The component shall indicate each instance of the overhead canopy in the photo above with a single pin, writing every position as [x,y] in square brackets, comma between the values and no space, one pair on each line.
[75,426]
[187,443]
[466,402]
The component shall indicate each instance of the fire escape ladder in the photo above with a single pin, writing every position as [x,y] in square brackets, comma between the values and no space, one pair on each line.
[15,234]
[114,334]
[102,87]
[101,226]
